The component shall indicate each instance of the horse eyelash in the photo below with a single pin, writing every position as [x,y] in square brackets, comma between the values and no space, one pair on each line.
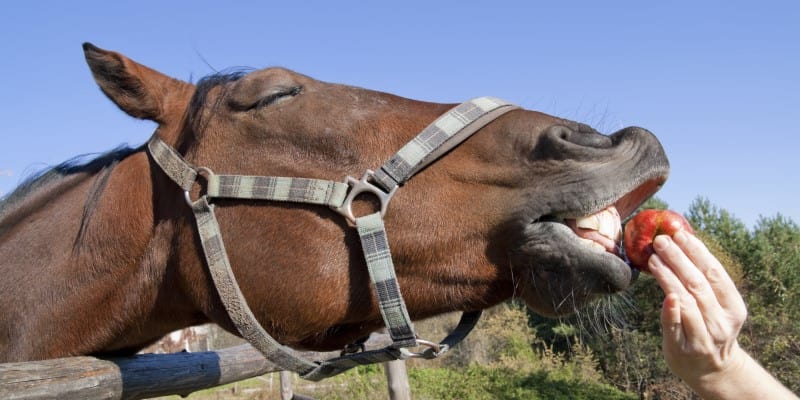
[265,101]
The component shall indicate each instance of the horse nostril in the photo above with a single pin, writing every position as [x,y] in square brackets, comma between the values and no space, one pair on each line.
[585,137]
[582,136]
[561,142]
[559,132]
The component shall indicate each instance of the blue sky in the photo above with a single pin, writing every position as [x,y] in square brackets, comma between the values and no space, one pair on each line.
[716,81]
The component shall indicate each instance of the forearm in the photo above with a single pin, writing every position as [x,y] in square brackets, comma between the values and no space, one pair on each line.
[746,380]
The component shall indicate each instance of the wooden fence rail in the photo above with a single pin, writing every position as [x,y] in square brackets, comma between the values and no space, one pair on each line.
[138,377]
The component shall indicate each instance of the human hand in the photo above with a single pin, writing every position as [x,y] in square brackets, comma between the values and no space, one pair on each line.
[702,315]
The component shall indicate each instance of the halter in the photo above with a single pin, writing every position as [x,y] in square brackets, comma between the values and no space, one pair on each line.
[435,140]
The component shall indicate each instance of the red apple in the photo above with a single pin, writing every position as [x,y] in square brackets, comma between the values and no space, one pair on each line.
[644,227]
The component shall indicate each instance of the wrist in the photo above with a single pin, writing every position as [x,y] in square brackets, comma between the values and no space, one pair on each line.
[738,368]
[741,378]
[736,365]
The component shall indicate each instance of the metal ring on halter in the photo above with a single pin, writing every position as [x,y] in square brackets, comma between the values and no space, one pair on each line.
[363,185]
[205,173]
[433,350]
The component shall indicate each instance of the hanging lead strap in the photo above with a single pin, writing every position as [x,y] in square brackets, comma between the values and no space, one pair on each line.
[231,295]
[340,364]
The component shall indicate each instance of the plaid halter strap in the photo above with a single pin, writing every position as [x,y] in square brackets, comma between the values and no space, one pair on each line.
[443,134]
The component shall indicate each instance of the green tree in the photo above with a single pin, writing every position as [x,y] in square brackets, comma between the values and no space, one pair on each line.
[720,225]
[772,274]
[773,263]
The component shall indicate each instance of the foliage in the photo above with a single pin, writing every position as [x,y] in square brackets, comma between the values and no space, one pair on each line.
[480,382]
[512,369]
[720,225]
[772,272]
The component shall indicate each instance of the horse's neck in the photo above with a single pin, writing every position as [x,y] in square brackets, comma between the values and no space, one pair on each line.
[61,258]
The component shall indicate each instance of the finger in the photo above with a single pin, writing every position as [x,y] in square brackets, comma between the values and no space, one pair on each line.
[669,283]
[716,275]
[693,323]
[691,277]
[671,321]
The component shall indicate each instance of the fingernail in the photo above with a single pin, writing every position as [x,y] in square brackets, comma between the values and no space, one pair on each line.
[661,242]
[679,237]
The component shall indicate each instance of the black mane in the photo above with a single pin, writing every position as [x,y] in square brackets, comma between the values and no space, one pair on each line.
[106,161]
[72,166]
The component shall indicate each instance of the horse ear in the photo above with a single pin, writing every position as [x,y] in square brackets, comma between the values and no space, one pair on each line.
[136,89]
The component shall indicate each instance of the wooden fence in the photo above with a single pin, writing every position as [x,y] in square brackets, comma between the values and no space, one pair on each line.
[151,375]
[138,377]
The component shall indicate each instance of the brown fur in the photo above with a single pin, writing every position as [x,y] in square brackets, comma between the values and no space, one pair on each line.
[468,232]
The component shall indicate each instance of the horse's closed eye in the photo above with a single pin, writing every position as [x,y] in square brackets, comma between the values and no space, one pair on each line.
[269,99]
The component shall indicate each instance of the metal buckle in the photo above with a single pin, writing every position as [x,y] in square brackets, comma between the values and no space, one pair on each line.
[433,350]
[358,186]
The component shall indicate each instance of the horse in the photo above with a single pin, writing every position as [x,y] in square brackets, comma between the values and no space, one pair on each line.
[104,257]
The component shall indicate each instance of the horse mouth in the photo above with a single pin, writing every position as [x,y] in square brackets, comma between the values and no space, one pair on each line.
[567,259]
[602,231]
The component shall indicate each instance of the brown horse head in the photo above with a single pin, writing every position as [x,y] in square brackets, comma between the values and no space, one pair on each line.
[529,206]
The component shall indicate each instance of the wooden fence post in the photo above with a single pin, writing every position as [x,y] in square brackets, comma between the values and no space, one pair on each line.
[397,380]
[286,385]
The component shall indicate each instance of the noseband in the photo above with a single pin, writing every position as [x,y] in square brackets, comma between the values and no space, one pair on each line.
[442,135]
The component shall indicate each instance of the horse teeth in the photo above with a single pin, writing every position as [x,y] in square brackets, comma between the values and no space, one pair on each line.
[611,231]
[606,222]
[591,222]
[610,225]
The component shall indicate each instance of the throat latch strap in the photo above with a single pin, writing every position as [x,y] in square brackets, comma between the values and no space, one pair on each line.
[434,141]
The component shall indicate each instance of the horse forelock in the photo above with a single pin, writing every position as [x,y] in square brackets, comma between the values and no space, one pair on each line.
[201,93]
